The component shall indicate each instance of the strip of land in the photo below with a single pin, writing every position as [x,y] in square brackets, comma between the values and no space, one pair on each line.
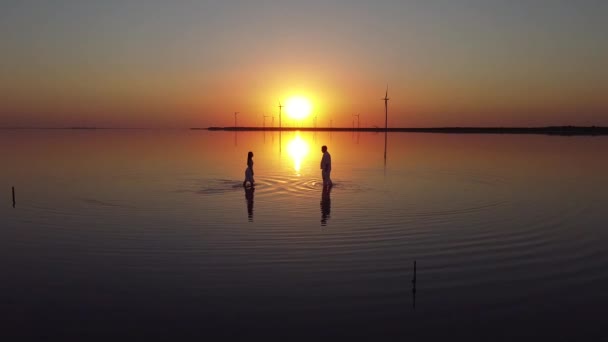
[550,130]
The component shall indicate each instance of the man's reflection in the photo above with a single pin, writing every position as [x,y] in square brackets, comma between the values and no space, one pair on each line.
[325,204]
[249,197]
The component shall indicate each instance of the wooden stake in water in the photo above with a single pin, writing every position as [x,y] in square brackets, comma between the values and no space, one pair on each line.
[13,197]
[414,287]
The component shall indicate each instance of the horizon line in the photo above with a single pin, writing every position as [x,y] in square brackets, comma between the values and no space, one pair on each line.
[557,130]
[554,130]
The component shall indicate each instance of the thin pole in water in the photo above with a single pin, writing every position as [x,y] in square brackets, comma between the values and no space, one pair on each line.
[414,287]
[13,196]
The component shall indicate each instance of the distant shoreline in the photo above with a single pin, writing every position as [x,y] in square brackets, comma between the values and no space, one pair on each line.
[72,128]
[550,130]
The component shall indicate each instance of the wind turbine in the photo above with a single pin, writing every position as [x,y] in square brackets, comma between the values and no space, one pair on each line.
[280,129]
[264,126]
[386,109]
[235,114]
[358,126]
[264,121]
[385,124]
[280,108]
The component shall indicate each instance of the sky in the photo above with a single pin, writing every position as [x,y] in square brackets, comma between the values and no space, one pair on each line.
[179,64]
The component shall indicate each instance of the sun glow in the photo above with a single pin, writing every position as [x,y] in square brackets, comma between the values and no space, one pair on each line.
[298,107]
[297,149]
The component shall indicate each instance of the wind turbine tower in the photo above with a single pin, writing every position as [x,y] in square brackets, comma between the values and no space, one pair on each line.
[385,123]
[386,109]
[280,108]
[358,126]
[264,121]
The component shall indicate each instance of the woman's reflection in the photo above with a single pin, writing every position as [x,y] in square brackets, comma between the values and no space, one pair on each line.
[249,197]
[325,204]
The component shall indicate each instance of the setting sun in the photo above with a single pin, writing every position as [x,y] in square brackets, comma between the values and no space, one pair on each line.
[298,108]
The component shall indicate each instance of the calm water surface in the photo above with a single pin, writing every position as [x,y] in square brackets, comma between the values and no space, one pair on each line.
[149,234]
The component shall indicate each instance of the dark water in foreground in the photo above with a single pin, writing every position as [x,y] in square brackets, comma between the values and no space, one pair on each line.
[149,235]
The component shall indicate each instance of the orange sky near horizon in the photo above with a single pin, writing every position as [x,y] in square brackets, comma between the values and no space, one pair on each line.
[194,65]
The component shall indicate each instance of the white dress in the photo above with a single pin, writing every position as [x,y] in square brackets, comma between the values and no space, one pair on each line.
[249,172]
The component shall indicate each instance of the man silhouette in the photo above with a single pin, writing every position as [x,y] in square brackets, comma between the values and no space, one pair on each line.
[326,167]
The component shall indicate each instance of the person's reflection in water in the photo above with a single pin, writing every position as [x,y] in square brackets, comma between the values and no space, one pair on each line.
[249,197]
[325,204]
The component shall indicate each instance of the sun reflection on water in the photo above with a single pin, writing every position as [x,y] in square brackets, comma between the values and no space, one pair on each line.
[297,149]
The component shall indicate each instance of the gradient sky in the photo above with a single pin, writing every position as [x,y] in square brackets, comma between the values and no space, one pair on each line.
[193,63]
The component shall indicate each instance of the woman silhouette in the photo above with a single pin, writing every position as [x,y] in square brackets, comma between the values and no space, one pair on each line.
[249,170]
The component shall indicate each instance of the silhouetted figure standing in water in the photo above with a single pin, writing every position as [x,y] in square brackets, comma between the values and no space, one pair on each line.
[326,167]
[325,204]
[249,170]
[249,197]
